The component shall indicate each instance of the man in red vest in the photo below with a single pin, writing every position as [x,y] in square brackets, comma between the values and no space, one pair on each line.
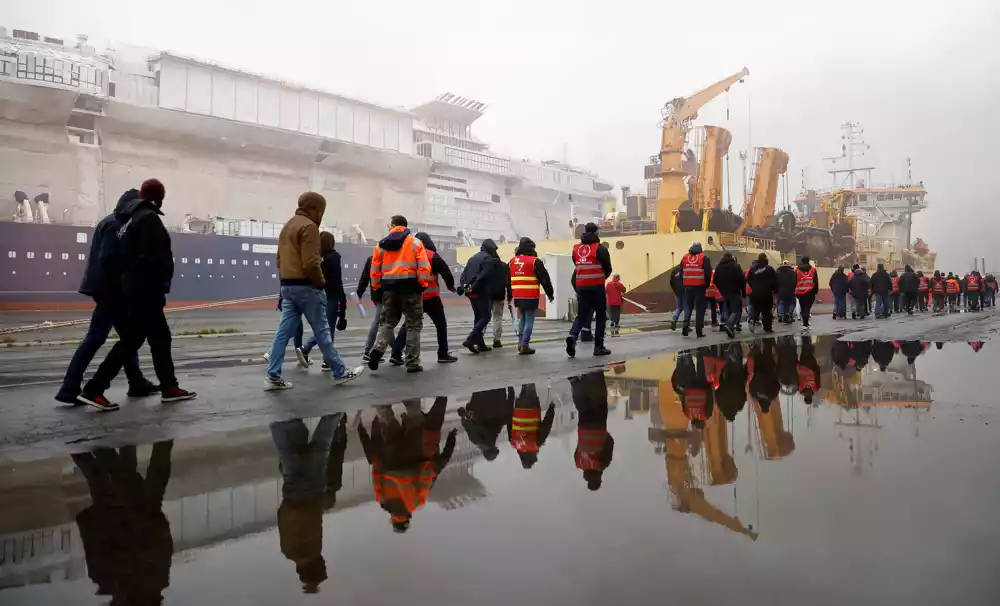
[696,272]
[806,287]
[593,267]
[595,446]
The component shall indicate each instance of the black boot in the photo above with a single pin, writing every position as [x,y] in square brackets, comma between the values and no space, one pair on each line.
[571,346]
[600,350]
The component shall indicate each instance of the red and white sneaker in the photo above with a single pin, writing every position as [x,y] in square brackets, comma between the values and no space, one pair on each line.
[98,401]
[176,394]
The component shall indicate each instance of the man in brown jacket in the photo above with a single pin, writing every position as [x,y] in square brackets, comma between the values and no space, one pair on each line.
[302,292]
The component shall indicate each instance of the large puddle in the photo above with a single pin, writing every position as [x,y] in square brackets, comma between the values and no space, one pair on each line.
[779,472]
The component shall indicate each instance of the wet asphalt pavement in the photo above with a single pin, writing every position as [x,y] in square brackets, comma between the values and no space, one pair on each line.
[854,466]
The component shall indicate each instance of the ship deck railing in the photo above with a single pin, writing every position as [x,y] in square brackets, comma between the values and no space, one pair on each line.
[729,239]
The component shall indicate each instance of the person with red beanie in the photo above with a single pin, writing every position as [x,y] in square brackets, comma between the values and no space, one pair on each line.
[147,269]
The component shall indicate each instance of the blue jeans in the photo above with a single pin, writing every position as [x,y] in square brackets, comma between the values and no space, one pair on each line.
[304,461]
[101,322]
[839,305]
[482,312]
[525,326]
[680,306]
[332,315]
[881,305]
[298,301]
[733,307]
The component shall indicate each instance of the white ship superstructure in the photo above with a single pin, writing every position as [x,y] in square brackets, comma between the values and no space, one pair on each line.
[474,194]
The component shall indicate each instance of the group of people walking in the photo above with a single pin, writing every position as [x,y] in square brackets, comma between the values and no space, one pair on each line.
[909,291]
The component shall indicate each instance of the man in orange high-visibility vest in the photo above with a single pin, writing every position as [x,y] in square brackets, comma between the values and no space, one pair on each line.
[696,272]
[401,270]
[593,267]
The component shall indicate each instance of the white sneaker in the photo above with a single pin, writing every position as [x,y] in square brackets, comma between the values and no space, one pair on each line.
[302,357]
[350,375]
[278,384]
[267,356]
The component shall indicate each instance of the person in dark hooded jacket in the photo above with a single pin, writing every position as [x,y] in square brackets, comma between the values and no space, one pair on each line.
[677,286]
[485,416]
[593,268]
[336,298]
[883,353]
[475,283]
[731,282]
[763,372]
[881,286]
[909,284]
[731,394]
[433,307]
[595,446]
[808,371]
[763,284]
[499,294]
[839,288]
[101,281]
[527,274]
[786,292]
[697,274]
[147,269]
[859,292]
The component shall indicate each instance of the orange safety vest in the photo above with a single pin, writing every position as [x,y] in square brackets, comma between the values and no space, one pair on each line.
[938,285]
[408,263]
[713,290]
[923,284]
[524,429]
[804,281]
[693,269]
[588,270]
[523,281]
[807,379]
[434,289]
[953,286]
[695,402]
[973,284]
[895,284]
[590,445]
[412,488]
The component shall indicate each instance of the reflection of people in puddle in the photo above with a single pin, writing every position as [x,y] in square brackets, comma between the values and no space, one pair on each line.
[883,352]
[527,429]
[126,538]
[691,384]
[311,472]
[860,352]
[975,345]
[788,360]
[808,371]
[731,394]
[485,416]
[594,446]
[911,350]
[763,373]
[841,354]
[406,458]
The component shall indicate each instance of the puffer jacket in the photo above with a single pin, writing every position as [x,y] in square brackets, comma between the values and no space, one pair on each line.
[299,258]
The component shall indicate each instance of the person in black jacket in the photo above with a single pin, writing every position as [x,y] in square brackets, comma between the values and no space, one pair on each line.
[763,283]
[595,446]
[806,273]
[147,270]
[883,352]
[102,282]
[485,416]
[731,282]
[694,294]
[677,286]
[591,299]
[786,292]
[881,286]
[909,284]
[475,283]
[336,298]
[839,288]
[859,285]
[764,385]
[433,306]
[731,394]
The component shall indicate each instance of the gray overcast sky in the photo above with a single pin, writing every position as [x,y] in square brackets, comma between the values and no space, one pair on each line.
[590,76]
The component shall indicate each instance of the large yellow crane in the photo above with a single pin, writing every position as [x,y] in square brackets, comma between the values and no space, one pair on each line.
[768,164]
[708,188]
[679,113]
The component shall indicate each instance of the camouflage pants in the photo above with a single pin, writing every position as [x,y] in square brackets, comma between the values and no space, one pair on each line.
[410,307]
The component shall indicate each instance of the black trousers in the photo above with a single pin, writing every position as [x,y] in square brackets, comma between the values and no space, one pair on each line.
[909,301]
[861,306]
[482,312]
[805,303]
[589,304]
[433,309]
[763,312]
[143,322]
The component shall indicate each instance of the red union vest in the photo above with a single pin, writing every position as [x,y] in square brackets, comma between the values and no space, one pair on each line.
[524,429]
[746,275]
[434,290]
[523,281]
[895,284]
[807,379]
[938,286]
[923,284]
[804,281]
[588,271]
[973,284]
[590,446]
[693,269]
[713,290]
[695,402]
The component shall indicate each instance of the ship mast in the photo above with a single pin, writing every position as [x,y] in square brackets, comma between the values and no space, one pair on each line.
[852,148]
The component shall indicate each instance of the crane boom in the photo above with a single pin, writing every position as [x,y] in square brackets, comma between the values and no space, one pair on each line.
[676,123]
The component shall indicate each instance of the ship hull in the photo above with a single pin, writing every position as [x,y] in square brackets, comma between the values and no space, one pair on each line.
[41,267]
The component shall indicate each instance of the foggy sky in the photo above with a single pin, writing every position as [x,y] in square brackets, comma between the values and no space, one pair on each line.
[585,79]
